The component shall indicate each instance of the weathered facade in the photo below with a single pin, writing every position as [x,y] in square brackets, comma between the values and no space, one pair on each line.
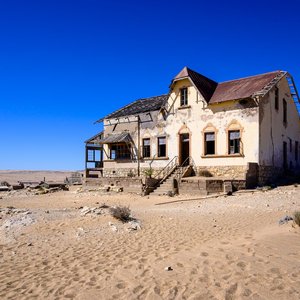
[246,129]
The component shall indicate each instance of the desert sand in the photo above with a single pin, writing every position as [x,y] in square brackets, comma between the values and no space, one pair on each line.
[229,247]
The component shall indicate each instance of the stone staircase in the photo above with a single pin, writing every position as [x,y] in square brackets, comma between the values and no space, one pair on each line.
[165,187]
[171,183]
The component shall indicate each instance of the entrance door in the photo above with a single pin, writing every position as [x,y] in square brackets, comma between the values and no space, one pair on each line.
[184,148]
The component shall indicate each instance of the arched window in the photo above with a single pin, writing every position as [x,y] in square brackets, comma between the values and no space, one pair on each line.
[234,138]
[210,140]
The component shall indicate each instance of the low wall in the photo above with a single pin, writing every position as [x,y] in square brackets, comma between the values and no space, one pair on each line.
[206,186]
[127,172]
[129,185]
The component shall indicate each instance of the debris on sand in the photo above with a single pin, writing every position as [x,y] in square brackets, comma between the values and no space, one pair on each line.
[100,210]
[16,220]
[285,220]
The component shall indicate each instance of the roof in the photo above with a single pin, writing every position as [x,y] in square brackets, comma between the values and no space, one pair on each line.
[117,138]
[243,88]
[212,91]
[143,105]
[95,139]
[205,86]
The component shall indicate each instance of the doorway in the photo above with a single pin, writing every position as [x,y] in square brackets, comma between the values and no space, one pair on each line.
[184,148]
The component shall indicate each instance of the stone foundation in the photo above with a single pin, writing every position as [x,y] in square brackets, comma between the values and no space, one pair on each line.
[130,185]
[206,186]
[232,172]
[268,174]
[127,172]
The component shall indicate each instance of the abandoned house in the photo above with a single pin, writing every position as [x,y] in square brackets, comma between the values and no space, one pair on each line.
[201,135]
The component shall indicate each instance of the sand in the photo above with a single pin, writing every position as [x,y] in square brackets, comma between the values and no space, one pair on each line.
[219,248]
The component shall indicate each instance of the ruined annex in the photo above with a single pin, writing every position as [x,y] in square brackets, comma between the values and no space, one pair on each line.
[200,137]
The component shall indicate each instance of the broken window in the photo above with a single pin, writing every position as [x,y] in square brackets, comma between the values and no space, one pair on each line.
[234,141]
[120,151]
[162,147]
[183,96]
[276,98]
[146,148]
[284,111]
[209,143]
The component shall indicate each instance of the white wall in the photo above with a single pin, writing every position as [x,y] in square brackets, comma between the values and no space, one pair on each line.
[273,132]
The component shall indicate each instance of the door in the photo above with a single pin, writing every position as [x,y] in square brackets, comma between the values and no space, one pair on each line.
[184,148]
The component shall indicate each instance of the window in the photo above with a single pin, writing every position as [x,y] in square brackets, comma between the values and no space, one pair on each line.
[120,151]
[183,96]
[209,143]
[234,141]
[296,150]
[162,147]
[146,148]
[93,155]
[276,98]
[284,111]
[291,145]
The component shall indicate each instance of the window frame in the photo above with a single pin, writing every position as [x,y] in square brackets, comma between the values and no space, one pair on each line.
[119,149]
[205,143]
[284,102]
[184,96]
[234,143]
[144,147]
[158,146]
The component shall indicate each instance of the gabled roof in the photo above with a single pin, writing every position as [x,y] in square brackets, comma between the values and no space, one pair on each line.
[143,105]
[205,86]
[244,87]
[212,91]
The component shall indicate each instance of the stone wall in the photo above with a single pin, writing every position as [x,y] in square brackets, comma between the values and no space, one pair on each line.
[127,172]
[268,174]
[206,186]
[130,185]
[231,172]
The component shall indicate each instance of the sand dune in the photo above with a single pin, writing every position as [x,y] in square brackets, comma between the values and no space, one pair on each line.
[223,248]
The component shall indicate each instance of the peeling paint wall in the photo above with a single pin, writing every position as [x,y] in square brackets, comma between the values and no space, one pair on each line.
[273,131]
[194,119]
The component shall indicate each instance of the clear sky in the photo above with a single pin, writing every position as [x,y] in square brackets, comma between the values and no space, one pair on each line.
[65,64]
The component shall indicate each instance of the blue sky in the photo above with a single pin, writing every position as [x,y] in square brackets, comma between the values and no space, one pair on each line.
[65,64]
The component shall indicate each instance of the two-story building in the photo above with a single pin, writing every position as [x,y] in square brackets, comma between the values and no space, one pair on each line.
[246,128]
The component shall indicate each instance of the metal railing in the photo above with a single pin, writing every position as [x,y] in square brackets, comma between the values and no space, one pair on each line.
[167,170]
[186,164]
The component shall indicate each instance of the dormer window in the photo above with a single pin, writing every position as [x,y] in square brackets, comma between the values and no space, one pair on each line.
[183,97]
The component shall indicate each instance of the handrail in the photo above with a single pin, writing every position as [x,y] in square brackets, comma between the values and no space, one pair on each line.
[183,167]
[171,164]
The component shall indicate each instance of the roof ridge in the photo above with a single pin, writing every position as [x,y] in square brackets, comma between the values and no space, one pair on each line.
[251,76]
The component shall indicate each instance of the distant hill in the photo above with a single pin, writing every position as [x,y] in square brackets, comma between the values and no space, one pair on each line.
[13,176]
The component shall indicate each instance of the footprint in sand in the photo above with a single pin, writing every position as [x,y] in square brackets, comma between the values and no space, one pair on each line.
[242,265]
